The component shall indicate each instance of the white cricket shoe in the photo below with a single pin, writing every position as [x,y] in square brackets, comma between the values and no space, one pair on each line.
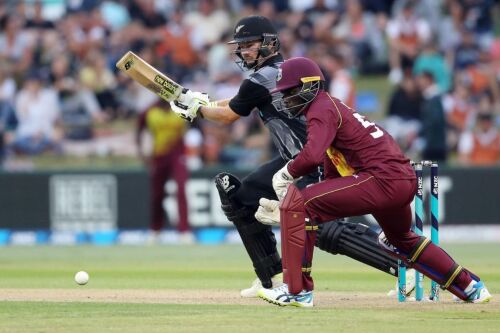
[477,292]
[410,284]
[277,281]
[282,297]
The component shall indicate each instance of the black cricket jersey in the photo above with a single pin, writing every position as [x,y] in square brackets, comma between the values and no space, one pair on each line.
[289,135]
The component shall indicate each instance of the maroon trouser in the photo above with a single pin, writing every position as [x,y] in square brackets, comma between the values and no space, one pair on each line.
[162,169]
[388,200]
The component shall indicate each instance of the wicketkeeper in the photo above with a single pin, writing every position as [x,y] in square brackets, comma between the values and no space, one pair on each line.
[376,179]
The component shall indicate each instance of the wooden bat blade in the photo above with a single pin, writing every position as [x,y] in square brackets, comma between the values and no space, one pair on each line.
[149,77]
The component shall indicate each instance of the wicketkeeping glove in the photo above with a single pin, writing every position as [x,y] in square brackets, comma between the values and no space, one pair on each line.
[281,180]
[268,212]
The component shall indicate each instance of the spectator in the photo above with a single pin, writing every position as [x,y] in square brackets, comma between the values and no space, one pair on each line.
[176,49]
[358,31]
[79,106]
[16,45]
[37,21]
[380,7]
[433,132]
[37,110]
[407,34]
[8,88]
[495,68]
[403,120]
[145,12]
[342,84]
[98,78]
[430,10]
[481,146]
[478,18]
[316,10]
[167,161]
[207,24]
[460,110]
[432,61]
[480,77]
[467,52]
[449,29]
[8,120]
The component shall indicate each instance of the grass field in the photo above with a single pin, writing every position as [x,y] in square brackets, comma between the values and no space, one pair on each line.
[195,289]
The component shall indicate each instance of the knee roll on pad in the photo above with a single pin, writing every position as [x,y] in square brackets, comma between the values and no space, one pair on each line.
[357,241]
[258,238]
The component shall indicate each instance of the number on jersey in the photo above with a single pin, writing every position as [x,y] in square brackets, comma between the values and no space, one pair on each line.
[378,132]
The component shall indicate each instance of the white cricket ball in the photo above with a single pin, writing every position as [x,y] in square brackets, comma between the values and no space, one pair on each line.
[82,277]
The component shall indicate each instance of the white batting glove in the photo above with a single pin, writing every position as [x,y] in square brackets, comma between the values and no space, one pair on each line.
[188,96]
[268,212]
[281,180]
[188,104]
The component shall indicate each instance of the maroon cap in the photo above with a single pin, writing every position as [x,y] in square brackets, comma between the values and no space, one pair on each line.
[295,72]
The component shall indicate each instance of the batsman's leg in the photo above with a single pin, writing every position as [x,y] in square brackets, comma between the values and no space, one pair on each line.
[360,242]
[297,245]
[258,239]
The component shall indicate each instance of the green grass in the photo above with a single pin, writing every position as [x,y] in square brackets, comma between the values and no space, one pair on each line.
[220,269]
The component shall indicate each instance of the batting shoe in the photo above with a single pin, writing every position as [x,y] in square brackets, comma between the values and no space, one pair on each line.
[277,281]
[282,297]
[477,292]
[410,284]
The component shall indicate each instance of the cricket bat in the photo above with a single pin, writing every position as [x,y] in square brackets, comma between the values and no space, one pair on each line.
[149,77]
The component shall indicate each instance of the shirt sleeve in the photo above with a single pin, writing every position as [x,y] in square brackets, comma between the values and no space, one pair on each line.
[250,95]
[321,130]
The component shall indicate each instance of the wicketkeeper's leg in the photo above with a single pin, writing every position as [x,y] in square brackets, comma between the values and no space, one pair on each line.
[298,236]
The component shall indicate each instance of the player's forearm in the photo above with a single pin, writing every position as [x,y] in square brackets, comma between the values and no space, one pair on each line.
[219,113]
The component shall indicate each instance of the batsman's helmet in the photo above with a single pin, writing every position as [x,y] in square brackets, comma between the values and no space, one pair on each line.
[255,28]
[298,82]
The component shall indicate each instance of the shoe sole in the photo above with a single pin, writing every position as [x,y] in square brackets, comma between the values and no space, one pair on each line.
[484,301]
[295,304]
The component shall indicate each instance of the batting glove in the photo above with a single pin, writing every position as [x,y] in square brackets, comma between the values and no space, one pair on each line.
[281,180]
[188,104]
[268,212]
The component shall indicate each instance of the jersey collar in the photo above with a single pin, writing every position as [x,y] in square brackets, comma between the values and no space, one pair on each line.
[278,58]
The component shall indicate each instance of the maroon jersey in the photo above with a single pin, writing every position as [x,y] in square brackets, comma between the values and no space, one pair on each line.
[337,135]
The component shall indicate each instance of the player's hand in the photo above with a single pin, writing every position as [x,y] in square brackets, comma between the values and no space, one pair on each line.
[188,112]
[188,96]
[281,180]
[188,104]
[268,212]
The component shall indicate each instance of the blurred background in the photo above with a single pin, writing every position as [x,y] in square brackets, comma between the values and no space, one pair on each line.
[76,144]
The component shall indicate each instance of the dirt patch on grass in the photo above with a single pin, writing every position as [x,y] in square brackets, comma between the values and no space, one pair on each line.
[322,298]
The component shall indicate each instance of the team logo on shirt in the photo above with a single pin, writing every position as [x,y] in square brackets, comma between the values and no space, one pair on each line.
[279,75]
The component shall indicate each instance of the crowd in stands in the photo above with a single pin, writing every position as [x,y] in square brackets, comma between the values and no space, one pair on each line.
[59,86]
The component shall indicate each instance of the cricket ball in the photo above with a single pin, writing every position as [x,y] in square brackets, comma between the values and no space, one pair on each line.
[82,277]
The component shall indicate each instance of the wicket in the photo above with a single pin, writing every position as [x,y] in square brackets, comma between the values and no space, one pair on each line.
[418,228]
